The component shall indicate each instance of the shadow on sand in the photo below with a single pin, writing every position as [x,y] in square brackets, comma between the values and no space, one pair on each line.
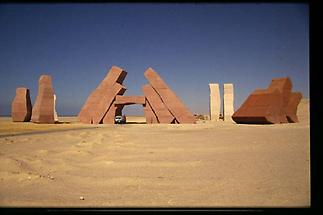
[135,122]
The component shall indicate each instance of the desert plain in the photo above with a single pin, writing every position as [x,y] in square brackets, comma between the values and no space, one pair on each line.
[207,164]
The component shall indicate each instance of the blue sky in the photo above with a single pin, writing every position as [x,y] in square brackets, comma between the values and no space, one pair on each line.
[189,45]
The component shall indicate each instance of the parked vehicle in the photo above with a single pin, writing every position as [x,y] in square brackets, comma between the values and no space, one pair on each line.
[120,119]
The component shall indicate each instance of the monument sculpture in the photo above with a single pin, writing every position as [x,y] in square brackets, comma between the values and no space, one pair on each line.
[43,110]
[21,107]
[276,104]
[157,106]
[169,98]
[215,102]
[160,103]
[96,107]
[228,97]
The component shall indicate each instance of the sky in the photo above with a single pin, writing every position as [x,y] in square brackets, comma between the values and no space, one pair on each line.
[190,45]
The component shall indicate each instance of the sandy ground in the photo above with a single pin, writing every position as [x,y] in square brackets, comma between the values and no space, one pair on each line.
[206,164]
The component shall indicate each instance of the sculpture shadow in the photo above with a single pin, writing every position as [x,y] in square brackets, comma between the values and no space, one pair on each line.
[136,123]
[62,122]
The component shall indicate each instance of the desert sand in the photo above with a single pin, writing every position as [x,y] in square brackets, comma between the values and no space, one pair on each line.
[208,164]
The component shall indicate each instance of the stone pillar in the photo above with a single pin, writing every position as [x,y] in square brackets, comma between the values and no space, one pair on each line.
[43,109]
[21,107]
[228,98]
[215,102]
[55,113]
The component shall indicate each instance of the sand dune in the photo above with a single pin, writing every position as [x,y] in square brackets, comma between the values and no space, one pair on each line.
[205,164]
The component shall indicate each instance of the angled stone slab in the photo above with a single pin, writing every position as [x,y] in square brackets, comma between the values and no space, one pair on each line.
[261,107]
[294,100]
[157,105]
[215,102]
[149,114]
[21,107]
[114,110]
[43,109]
[115,75]
[169,98]
[128,100]
[99,101]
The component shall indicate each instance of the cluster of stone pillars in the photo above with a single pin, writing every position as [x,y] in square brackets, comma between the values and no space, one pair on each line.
[160,103]
[215,102]
[43,110]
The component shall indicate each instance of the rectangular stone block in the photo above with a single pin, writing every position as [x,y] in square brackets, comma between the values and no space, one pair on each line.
[276,104]
[99,101]
[228,100]
[128,100]
[115,75]
[114,110]
[149,114]
[284,85]
[169,98]
[157,105]
[215,102]
[294,100]
[261,107]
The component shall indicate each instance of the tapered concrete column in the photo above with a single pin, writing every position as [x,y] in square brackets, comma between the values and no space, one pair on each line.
[55,113]
[215,102]
[228,98]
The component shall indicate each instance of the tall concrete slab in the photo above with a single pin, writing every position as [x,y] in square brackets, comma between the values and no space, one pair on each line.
[157,105]
[55,113]
[169,98]
[99,101]
[228,100]
[43,109]
[215,102]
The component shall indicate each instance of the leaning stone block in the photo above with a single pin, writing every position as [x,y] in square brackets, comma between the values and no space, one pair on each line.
[21,107]
[261,107]
[99,101]
[157,105]
[277,104]
[169,98]
[114,110]
[149,114]
[43,110]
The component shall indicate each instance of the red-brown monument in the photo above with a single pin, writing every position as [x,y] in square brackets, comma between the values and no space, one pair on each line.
[43,110]
[21,107]
[277,104]
[101,99]
[169,98]
[160,103]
